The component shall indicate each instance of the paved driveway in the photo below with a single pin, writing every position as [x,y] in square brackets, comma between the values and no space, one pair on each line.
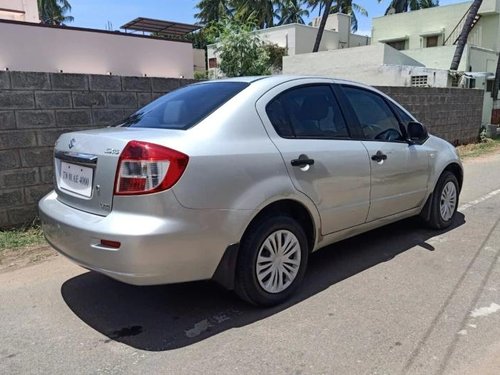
[398,300]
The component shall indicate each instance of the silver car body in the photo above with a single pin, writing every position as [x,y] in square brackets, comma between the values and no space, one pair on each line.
[238,166]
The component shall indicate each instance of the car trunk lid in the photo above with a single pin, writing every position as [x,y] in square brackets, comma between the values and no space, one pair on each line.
[86,163]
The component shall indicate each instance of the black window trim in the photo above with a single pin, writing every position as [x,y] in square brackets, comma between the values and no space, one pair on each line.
[349,131]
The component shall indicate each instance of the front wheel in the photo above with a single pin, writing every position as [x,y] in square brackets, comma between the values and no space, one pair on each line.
[444,202]
[272,261]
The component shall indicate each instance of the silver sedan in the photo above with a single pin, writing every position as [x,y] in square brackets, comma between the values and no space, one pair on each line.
[239,180]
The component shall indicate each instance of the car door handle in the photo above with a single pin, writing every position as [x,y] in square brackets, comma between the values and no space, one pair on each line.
[302,161]
[379,156]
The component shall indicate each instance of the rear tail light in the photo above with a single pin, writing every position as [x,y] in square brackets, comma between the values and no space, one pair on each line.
[148,168]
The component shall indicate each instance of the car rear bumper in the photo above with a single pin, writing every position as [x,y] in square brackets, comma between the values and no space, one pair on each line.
[187,245]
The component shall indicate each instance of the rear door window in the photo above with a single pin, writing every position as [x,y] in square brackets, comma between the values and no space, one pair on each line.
[307,112]
[185,107]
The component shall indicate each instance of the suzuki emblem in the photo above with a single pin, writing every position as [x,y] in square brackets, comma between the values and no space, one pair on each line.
[72,143]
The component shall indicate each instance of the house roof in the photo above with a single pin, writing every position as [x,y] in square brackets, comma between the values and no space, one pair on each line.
[160,27]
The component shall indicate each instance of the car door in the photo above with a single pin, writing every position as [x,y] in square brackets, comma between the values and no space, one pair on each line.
[399,170]
[306,124]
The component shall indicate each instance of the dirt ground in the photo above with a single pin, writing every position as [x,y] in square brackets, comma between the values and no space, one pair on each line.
[17,258]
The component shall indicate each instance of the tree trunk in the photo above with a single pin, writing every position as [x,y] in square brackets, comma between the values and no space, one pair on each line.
[322,24]
[496,82]
[464,34]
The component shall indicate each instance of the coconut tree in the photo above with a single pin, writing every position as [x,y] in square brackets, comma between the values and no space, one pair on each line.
[342,6]
[326,12]
[496,82]
[401,6]
[53,12]
[464,34]
[292,11]
[261,12]
[213,10]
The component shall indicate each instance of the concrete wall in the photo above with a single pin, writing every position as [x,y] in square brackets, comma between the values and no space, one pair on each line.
[29,47]
[375,65]
[199,60]
[329,62]
[475,59]
[451,113]
[35,108]
[19,10]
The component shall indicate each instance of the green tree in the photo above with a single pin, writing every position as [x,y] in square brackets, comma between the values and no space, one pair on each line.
[342,6]
[241,51]
[276,54]
[401,6]
[262,12]
[53,12]
[213,10]
[292,11]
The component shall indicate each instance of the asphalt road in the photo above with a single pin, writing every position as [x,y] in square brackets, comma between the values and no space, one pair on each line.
[398,300]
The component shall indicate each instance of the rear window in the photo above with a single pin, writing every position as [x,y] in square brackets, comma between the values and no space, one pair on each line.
[185,107]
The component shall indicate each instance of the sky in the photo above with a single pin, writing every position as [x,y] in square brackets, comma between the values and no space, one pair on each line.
[96,13]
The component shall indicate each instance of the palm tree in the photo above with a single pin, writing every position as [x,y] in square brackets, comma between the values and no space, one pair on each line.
[496,82]
[343,6]
[328,5]
[52,12]
[291,11]
[262,12]
[213,10]
[464,34]
[401,6]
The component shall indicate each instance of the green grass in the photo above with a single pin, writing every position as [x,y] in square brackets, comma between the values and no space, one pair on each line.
[20,238]
[478,149]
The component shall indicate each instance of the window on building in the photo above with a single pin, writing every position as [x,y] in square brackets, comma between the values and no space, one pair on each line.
[212,62]
[489,85]
[432,41]
[419,81]
[398,44]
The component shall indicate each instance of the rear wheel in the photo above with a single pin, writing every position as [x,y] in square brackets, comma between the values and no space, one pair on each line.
[444,202]
[272,261]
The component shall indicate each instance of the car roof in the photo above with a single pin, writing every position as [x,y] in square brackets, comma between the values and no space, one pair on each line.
[278,79]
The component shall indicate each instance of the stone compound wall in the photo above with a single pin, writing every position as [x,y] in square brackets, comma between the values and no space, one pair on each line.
[450,113]
[35,108]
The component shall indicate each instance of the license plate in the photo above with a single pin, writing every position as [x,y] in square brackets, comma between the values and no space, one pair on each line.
[76,179]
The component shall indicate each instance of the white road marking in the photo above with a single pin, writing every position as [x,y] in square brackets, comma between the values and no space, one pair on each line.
[463,332]
[485,311]
[467,205]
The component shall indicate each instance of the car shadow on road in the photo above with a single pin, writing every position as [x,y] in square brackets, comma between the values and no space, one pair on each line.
[159,318]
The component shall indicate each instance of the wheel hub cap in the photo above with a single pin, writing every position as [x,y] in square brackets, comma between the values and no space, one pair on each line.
[278,261]
[448,201]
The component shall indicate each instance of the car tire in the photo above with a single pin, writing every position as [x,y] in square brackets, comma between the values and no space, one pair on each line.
[443,202]
[272,261]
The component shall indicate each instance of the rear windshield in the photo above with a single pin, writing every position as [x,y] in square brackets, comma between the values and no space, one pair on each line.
[185,107]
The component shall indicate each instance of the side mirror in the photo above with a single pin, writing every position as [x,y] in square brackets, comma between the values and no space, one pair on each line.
[417,132]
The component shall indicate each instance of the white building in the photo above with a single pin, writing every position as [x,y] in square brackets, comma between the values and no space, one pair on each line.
[19,10]
[27,45]
[299,39]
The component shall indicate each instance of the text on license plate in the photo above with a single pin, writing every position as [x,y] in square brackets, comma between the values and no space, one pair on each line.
[76,178]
